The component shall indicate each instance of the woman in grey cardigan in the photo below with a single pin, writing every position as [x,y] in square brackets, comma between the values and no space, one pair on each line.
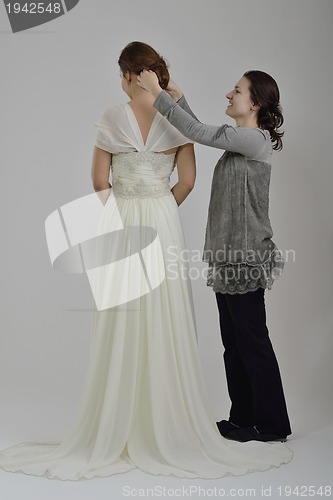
[243,260]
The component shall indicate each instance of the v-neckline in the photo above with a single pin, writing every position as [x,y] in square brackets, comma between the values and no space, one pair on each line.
[152,126]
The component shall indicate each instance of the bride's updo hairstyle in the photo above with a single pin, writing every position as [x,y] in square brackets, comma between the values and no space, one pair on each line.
[265,92]
[137,56]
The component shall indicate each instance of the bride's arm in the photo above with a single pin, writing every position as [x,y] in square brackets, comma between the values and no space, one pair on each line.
[100,172]
[185,159]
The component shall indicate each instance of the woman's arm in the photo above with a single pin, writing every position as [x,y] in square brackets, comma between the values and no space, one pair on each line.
[243,140]
[176,93]
[186,167]
[100,172]
[185,106]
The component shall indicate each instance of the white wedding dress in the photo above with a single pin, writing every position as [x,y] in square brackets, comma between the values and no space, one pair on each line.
[144,402]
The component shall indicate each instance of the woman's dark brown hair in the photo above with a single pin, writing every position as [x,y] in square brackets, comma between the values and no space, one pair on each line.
[137,56]
[265,92]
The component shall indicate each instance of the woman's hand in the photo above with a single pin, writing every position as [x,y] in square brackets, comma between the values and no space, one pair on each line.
[173,90]
[148,80]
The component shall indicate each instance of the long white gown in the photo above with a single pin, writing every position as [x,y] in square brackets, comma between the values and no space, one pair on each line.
[144,403]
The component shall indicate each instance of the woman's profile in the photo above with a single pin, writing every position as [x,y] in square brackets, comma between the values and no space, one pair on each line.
[144,403]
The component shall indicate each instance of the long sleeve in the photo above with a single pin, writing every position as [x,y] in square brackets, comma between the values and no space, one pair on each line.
[244,140]
[184,105]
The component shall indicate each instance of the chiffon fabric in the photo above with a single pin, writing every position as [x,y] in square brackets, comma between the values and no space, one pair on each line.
[144,402]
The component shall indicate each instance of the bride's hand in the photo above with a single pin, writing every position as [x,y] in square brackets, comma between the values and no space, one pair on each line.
[173,90]
[148,80]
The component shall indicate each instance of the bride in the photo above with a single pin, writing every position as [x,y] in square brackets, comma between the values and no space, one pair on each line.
[144,402]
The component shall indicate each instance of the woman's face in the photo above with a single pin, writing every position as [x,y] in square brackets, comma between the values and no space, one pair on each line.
[240,105]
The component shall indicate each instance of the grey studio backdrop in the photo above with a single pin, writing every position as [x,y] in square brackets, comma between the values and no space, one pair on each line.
[56,81]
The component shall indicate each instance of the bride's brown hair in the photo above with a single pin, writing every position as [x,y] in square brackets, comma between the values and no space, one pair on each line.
[137,56]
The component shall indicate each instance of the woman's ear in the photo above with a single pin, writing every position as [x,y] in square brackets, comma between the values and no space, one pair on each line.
[255,107]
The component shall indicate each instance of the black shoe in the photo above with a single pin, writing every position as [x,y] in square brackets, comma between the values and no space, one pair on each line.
[245,434]
[225,426]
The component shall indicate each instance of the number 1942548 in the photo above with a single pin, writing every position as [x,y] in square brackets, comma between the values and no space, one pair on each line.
[34,8]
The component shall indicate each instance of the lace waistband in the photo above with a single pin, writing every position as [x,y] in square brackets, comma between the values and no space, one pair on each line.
[140,190]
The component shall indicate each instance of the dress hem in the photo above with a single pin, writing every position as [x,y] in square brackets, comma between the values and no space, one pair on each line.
[190,475]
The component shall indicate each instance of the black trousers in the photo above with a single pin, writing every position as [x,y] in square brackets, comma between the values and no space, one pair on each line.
[252,371]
